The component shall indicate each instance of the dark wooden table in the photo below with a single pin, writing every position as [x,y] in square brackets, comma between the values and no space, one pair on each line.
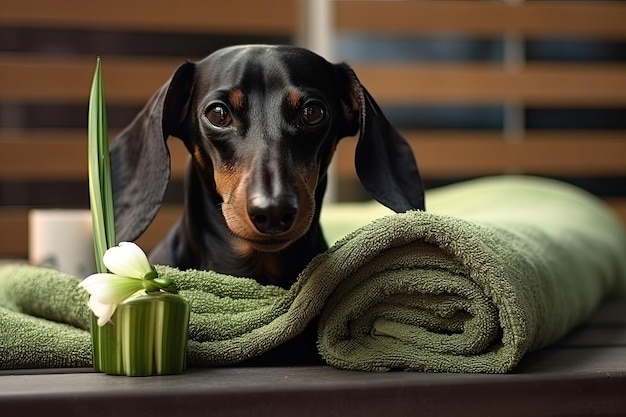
[584,374]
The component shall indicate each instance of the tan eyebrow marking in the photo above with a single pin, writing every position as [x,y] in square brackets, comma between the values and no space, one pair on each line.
[237,99]
[294,97]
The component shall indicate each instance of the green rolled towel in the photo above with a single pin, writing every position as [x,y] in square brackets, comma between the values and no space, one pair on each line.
[496,267]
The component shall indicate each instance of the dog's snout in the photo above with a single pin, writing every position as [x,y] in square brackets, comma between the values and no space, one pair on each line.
[272,215]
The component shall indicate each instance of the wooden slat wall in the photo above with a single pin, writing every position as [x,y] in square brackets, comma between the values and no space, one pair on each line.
[515,84]
[443,154]
[66,80]
[547,18]
[62,77]
[49,78]
[195,16]
[535,84]
[58,79]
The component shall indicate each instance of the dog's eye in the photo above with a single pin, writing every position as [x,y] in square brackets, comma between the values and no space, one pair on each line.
[219,116]
[313,114]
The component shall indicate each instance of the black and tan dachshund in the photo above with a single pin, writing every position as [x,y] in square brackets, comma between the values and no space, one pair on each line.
[261,124]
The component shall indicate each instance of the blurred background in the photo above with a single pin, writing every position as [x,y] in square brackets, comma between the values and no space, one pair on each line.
[477,87]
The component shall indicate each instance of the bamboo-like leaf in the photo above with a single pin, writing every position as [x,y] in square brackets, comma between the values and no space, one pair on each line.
[100,189]
[147,334]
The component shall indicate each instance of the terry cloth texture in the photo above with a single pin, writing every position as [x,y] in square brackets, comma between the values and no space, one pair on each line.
[495,268]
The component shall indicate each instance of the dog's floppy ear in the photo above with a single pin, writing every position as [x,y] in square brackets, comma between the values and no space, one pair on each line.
[140,159]
[384,160]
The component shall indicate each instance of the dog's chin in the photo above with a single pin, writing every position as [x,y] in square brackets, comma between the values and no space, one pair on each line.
[266,243]
[270,245]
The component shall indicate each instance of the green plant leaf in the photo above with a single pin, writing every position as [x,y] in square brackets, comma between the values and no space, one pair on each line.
[100,189]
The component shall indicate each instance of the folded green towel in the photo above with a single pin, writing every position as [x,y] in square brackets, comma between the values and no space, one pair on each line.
[497,267]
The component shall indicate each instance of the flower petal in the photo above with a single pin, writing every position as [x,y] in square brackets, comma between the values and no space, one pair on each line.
[103,311]
[111,288]
[127,260]
[93,281]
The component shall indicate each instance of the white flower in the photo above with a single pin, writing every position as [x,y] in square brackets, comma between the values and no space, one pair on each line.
[131,274]
[128,260]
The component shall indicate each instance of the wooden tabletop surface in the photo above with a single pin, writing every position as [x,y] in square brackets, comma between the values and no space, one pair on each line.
[584,374]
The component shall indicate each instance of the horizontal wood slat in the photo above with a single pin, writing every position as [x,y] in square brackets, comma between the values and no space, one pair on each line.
[492,18]
[41,79]
[56,156]
[232,16]
[32,155]
[444,155]
[537,84]
[14,232]
[134,80]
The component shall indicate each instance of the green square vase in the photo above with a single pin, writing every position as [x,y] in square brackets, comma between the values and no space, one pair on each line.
[147,335]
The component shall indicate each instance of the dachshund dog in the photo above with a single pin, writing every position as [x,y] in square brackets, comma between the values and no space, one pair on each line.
[261,124]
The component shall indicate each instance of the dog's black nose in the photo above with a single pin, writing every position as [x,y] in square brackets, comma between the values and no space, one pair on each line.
[272,215]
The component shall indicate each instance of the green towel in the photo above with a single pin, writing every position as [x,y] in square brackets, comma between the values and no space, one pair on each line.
[497,267]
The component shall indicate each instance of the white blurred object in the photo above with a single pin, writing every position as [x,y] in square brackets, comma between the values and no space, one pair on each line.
[62,239]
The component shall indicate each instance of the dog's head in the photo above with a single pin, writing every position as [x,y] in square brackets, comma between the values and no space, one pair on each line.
[261,124]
